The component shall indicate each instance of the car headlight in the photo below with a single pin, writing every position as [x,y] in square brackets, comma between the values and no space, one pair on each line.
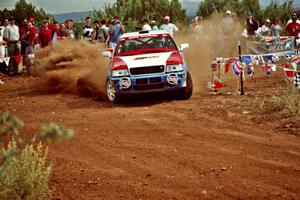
[120,73]
[174,68]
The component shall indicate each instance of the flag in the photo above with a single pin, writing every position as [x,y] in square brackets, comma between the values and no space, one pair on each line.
[250,69]
[230,61]
[289,73]
[237,68]
[217,84]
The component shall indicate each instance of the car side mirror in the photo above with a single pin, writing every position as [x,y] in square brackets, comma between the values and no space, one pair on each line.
[108,53]
[184,46]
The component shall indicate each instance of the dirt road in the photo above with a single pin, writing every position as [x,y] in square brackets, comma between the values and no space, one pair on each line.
[209,147]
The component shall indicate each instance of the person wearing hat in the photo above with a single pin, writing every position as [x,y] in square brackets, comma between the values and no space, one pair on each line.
[169,27]
[45,34]
[227,24]
[265,29]
[11,37]
[153,25]
[115,31]
[251,25]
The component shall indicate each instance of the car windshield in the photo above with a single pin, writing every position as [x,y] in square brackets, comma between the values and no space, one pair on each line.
[145,45]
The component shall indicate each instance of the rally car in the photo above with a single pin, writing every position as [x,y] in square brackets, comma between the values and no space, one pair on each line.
[146,62]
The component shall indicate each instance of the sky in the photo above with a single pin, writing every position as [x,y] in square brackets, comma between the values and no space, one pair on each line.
[65,6]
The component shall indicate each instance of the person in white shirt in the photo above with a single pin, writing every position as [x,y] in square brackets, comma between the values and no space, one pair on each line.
[169,27]
[153,25]
[11,36]
[2,42]
[265,29]
[146,26]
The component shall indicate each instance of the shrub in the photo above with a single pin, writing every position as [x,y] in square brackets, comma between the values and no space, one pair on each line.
[24,171]
[287,102]
[24,175]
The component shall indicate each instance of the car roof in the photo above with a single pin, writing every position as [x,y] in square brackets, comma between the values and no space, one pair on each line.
[143,33]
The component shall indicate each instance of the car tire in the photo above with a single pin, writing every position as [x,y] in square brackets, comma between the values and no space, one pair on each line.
[186,92]
[111,96]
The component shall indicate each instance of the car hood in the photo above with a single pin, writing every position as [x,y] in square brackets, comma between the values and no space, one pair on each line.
[146,60]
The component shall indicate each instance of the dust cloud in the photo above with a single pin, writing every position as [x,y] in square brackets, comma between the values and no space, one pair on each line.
[215,36]
[72,67]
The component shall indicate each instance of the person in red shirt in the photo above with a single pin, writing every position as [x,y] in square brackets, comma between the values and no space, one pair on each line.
[32,38]
[293,26]
[45,34]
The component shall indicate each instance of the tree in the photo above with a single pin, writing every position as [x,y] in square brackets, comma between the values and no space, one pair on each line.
[131,12]
[24,10]
[242,7]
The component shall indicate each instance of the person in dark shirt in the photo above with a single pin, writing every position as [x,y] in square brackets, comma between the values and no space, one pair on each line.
[252,25]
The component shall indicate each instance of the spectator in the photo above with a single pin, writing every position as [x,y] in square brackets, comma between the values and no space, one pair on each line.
[153,25]
[169,27]
[75,31]
[50,22]
[105,30]
[251,25]
[32,22]
[3,68]
[115,32]
[33,39]
[22,33]
[6,22]
[68,31]
[12,36]
[276,29]
[2,42]
[45,34]
[146,26]
[293,26]
[95,33]
[265,29]
[227,24]
[87,30]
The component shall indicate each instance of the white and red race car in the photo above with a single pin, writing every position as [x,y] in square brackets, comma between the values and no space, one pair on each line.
[145,62]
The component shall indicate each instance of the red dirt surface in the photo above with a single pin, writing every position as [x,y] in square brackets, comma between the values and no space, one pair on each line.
[209,147]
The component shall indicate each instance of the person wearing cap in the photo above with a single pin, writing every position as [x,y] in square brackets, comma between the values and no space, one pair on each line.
[227,24]
[115,32]
[146,26]
[293,26]
[153,25]
[265,30]
[45,34]
[169,27]
[251,25]
[11,36]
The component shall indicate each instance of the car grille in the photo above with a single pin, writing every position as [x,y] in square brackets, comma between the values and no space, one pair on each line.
[149,87]
[148,83]
[147,70]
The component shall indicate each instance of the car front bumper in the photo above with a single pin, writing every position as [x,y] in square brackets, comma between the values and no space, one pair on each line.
[150,83]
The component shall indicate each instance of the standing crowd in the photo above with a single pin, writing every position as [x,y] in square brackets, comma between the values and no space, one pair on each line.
[28,38]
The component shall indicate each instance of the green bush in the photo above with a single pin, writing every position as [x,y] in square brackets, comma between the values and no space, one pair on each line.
[25,175]
[24,171]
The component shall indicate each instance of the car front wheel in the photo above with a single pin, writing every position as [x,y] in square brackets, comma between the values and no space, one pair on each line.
[111,94]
